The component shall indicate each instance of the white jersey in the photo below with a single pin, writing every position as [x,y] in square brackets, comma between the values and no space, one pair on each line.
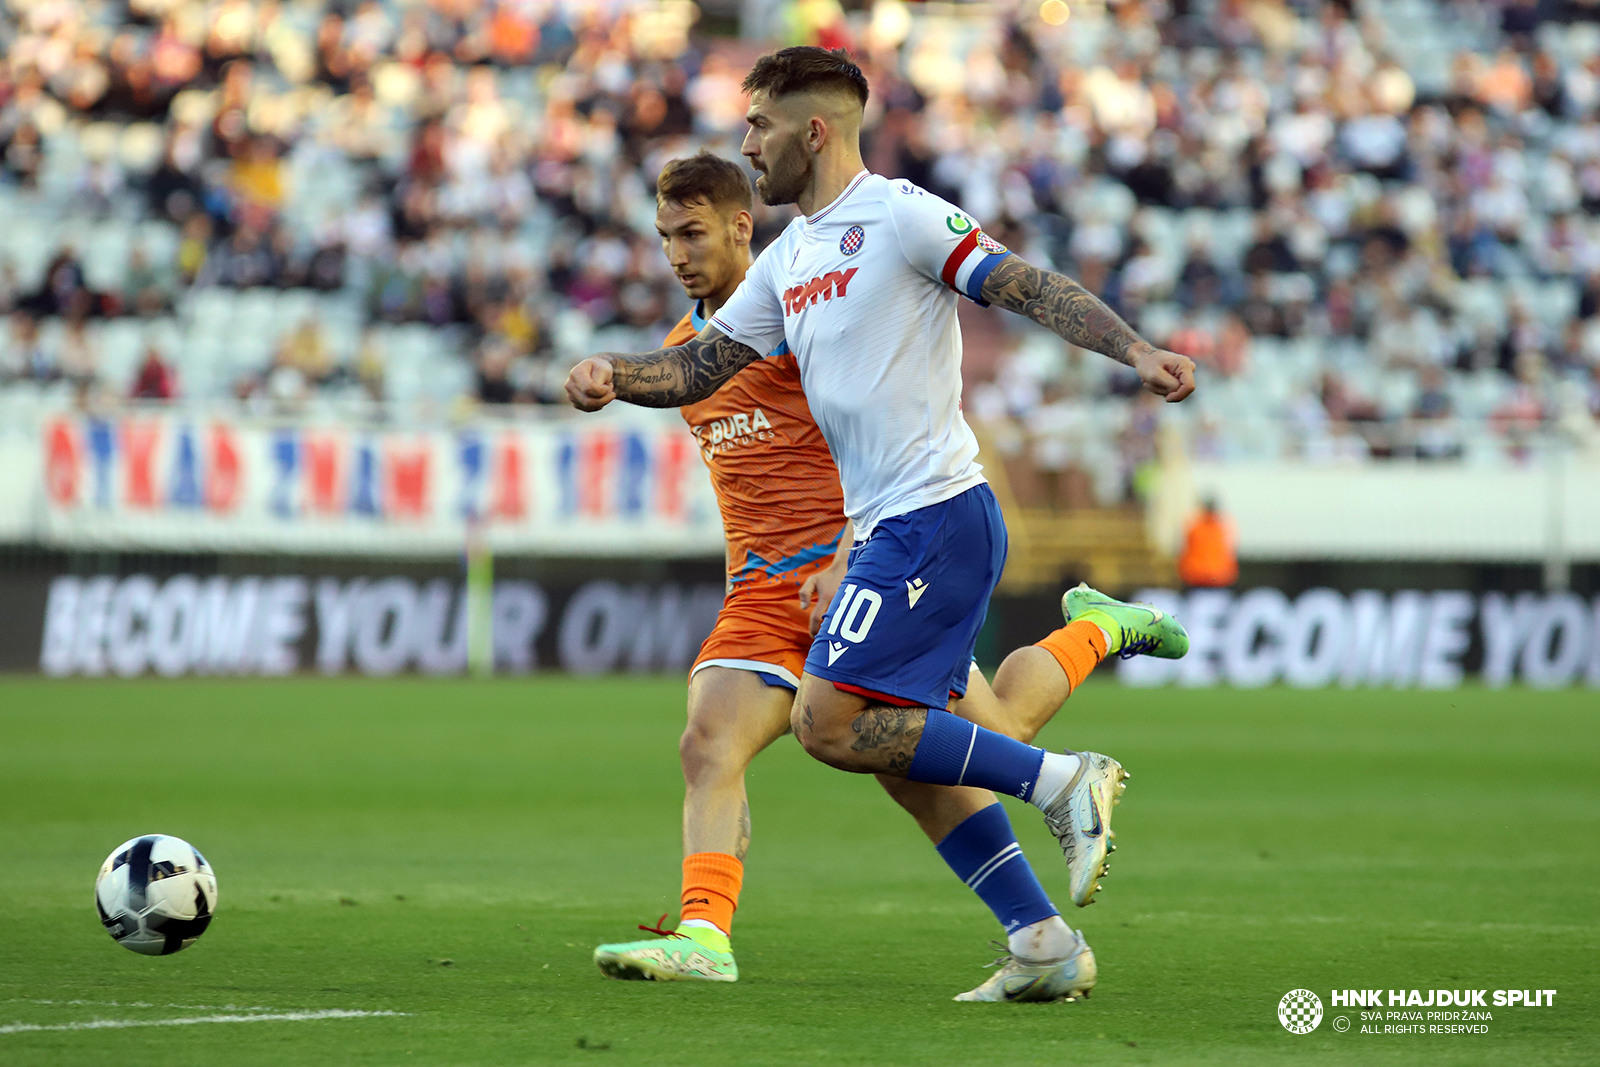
[864,292]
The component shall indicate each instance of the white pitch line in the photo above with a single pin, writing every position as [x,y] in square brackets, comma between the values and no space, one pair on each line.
[120,1024]
[133,1004]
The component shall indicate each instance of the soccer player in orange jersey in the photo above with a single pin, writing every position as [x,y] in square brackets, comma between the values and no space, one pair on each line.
[782,512]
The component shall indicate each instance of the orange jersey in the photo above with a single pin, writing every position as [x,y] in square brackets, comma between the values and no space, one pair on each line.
[777,487]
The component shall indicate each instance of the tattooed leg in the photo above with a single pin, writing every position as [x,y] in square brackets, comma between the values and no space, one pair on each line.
[891,734]
[849,732]
[743,847]
[732,716]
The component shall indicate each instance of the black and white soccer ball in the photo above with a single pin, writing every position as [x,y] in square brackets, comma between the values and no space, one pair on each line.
[156,894]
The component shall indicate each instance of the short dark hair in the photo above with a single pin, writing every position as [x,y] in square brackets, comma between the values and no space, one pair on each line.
[704,178]
[806,67]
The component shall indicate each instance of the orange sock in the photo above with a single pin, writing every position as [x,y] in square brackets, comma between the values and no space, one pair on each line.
[711,882]
[1078,647]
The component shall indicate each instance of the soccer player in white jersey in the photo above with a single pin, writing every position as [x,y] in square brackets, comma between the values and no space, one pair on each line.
[862,287]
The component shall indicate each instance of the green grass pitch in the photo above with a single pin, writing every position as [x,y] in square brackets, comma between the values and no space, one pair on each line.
[452,851]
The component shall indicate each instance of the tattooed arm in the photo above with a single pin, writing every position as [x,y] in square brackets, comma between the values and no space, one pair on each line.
[665,378]
[1061,305]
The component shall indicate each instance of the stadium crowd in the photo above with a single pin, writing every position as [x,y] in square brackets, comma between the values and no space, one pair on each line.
[1374,226]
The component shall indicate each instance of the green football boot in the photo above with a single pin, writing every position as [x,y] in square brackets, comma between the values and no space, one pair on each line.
[693,954]
[1134,629]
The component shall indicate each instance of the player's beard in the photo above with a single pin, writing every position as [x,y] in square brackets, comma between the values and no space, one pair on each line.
[787,175]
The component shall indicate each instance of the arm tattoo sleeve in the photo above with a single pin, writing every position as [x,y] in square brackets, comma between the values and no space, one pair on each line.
[682,374]
[1060,304]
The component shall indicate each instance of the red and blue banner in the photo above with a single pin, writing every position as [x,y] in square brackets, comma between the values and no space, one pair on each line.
[168,480]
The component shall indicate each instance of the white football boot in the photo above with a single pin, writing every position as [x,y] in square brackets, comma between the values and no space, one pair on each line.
[1080,817]
[1040,980]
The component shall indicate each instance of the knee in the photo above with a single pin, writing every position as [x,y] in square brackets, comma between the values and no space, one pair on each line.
[820,745]
[813,729]
[705,752]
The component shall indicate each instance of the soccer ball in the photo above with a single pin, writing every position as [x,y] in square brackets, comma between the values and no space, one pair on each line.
[156,894]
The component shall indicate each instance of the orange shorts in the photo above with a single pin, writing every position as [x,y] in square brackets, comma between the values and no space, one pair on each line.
[763,629]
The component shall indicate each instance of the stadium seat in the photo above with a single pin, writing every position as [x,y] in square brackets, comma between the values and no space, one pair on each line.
[1480,302]
[121,351]
[1555,302]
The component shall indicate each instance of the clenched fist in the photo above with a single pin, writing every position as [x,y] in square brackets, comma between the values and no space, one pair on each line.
[1165,374]
[817,593]
[589,384]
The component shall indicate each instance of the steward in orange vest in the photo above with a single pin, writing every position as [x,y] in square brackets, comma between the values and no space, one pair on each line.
[1208,557]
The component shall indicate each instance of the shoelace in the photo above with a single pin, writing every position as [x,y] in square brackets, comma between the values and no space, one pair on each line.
[1132,646]
[656,929]
[1005,950]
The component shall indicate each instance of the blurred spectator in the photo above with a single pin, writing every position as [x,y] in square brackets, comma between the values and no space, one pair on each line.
[25,356]
[1375,143]
[64,287]
[306,352]
[494,369]
[1209,558]
[1505,84]
[146,285]
[1432,402]
[369,368]
[193,249]
[257,178]
[284,386]
[24,155]
[1303,195]
[78,357]
[1436,435]
[1270,254]
[247,260]
[1056,429]
[1344,404]
[1406,335]
[1522,413]
[10,286]
[173,192]
[1260,313]
[155,380]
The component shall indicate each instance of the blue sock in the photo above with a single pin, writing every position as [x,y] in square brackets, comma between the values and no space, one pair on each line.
[984,854]
[953,751]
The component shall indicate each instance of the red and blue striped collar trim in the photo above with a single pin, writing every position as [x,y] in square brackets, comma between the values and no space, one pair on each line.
[857,180]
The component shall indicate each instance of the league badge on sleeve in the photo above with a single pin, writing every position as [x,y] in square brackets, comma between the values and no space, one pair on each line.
[852,240]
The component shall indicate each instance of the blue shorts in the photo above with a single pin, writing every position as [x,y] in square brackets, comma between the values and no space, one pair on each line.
[903,625]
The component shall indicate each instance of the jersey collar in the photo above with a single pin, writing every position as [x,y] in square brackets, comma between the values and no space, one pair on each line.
[697,317]
[860,177]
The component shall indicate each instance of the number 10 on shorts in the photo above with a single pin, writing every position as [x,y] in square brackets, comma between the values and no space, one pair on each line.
[852,619]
